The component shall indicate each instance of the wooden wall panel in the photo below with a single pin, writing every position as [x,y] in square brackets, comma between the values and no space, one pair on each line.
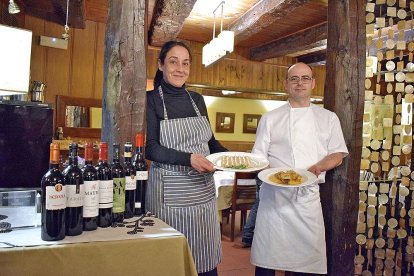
[152,55]
[320,75]
[38,56]
[83,61]
[99,61]
[77,71]
[197,74]
[58,65]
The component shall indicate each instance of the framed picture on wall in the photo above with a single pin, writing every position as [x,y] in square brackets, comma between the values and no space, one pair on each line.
[250,122]
[225,122]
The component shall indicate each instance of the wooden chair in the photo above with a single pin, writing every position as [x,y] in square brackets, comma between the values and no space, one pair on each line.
[244,197]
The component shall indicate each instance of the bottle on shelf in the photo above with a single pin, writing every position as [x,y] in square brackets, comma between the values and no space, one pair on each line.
[141,174]
[75,194]
[130,182]
[53,199]
[106,186]
[118,175]
[91,183]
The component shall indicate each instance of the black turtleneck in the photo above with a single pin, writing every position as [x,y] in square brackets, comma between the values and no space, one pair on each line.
[178,105]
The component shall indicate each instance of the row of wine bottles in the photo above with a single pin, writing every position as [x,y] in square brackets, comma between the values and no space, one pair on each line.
[85,198]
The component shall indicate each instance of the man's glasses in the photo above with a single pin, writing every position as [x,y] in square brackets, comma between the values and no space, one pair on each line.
[303,79]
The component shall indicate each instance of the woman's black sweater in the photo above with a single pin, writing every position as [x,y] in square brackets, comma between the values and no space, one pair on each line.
[178,105]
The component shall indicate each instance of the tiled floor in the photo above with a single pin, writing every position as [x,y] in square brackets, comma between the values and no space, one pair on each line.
[236,260]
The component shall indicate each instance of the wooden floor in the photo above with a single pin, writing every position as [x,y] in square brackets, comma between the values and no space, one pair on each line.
[236,260]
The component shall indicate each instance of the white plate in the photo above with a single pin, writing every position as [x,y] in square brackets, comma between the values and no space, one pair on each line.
[258,161]
[310,178]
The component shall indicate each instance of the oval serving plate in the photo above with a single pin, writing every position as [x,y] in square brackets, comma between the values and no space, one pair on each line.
[258,162]
[308,177]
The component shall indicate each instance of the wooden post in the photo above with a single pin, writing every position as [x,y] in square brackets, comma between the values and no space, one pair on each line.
[124,95]
[344,94]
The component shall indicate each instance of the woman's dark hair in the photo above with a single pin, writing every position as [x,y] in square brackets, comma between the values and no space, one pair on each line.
[163,54]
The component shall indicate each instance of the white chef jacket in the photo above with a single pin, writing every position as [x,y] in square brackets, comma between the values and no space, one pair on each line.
[290,233]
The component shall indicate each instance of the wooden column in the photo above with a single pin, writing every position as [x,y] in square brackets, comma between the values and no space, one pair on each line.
[344,94]
[124,95]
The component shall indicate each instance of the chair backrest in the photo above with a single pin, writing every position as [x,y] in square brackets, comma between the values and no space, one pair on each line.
[244,196]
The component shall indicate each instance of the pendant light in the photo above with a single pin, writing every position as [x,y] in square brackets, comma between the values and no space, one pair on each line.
[219,46]
[13,7]
[65,35]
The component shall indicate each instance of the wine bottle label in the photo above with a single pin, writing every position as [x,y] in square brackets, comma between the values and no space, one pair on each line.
[91,200]
[106,194]
[55,197]
[142,175]
[74,197]
[130,182]
[119,195]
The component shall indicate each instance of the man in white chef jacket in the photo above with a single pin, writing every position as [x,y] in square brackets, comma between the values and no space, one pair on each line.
[290,232]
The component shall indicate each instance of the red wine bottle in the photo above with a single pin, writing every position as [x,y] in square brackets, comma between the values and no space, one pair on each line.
[130,182]
[106,185]
[141,174]
[91,183]
[53,199]
[72,177]
[118,175]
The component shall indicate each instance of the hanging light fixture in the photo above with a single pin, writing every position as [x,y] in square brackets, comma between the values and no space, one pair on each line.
[219,46]
[13,7]
[60,43]
[65,35]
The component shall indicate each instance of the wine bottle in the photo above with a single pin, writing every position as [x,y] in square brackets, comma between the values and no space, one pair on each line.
[106,185]
[91,183]
[141,174]
[130,182]
[72,177]
[53,199]
[118,175]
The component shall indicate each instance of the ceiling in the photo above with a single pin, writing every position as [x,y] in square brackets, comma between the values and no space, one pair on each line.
[263,28]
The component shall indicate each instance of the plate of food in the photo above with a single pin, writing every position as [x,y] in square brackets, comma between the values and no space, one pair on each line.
[238,161]
[287,177]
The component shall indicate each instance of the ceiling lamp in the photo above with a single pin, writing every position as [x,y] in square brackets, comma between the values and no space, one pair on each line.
[219,46]
[54,42]
[13,7]
[65,35]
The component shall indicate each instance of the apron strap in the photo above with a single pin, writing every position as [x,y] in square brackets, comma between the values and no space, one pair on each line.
[163,103]
[165,110]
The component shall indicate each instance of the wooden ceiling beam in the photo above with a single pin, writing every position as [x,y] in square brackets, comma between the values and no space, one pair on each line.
[315,58]
[76,12]
[261,16]
[55,11]
[303,40]
[168,20]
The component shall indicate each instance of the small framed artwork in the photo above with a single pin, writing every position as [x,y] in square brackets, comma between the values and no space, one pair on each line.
[250,122]
[225,122]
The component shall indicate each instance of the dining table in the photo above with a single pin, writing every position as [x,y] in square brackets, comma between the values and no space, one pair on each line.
[118,250]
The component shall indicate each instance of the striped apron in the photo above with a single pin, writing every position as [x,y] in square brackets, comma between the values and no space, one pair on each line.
[182,197]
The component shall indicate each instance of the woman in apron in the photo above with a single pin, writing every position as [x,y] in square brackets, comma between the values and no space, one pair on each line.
[180,186]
